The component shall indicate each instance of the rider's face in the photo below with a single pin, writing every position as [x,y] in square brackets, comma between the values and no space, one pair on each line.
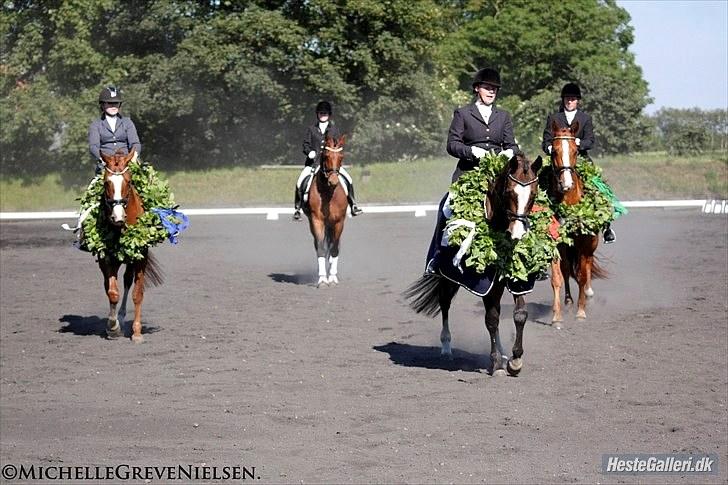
[112,109]
[570,103]
[487,93]
[323,117]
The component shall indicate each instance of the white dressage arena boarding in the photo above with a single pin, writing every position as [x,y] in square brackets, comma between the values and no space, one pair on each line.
[418,210]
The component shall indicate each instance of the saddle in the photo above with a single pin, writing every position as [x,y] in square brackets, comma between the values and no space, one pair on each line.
[304,187]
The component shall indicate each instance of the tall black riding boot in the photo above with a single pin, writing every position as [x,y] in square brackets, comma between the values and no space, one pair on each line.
[355,210]
[297,205]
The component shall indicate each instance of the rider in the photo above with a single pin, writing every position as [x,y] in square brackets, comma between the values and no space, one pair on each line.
[111,132]
[475,129]
[568,113]
[480,126]
[313,146]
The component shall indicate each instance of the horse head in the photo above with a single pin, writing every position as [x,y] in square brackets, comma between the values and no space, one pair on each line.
[564,154]
[512,196]
[122,203]
[332,159]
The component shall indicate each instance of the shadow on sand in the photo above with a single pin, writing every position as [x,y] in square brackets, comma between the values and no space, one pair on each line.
[293,278]
[430,358]
[86,326]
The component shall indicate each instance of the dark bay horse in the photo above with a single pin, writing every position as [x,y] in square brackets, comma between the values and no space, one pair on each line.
[326,211]
[122,206]
[577,261]
[508,202]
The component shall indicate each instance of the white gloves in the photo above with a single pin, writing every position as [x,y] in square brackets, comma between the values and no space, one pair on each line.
[478,152]
[312,154]
[578,141]
[508,153]
[549,148]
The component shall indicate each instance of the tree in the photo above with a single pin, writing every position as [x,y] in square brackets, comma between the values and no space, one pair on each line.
[540,46]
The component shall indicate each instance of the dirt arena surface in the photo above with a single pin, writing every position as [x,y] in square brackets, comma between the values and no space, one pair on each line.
[246,363]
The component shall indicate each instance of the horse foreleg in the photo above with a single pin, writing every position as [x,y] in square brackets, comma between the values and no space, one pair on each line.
[520,315]
[583,276]
[334,252]
[557,280]
[128,280]
[110,270]
[138,297]
[317,231]
[492,318]
[566,274]
[446,292]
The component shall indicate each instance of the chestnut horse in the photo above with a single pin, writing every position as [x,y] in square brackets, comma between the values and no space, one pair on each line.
[122,206]
[577,261]
[326,211]
[508,202]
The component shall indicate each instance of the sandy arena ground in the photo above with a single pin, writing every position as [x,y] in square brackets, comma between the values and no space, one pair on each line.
[246,363]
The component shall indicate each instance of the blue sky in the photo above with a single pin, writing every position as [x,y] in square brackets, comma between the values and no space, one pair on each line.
[682,47]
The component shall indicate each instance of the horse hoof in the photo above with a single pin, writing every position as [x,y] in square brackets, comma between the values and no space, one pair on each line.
[581,315]
[137,339]
[589,292]
[113,330]
[499,373]
[333,280]
[446,351]
[322,283]
[514,366]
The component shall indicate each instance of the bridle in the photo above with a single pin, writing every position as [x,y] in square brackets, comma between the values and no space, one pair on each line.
[515,216]
[111,203]
[325,170]
[560,170]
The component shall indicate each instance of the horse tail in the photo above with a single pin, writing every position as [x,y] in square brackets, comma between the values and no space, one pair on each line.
[153,273]
[424,295]
[573,256]
[597,271]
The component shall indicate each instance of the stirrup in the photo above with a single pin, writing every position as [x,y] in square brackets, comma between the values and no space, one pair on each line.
[609,236]
[355,210]
[297,215]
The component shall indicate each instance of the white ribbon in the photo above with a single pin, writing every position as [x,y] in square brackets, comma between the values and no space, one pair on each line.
[82,217]
[465,245]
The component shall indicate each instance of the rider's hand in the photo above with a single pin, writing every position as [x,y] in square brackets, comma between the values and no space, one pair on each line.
[549,148]
[312,154]
[478,152]
[578,141]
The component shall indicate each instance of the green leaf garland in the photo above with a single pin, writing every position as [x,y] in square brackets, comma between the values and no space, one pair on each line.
[515,259]
[130,244]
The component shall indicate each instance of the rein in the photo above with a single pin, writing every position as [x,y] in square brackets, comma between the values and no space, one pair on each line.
[561,170]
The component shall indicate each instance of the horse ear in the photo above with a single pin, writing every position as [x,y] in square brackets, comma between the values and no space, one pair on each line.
[488,206]
[105,158]
[574,128]
[554,126]
[341,141]
[513,164]
[536,165]
[130,156]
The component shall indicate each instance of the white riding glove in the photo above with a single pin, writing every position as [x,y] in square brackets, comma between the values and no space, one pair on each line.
[508,153]
[478,152]
[578,141]
[312,154]
[549,148]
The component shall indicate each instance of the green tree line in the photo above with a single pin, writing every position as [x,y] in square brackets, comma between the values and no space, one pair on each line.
[223,83]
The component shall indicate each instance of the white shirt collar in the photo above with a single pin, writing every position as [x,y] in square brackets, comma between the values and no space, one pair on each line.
[323,126]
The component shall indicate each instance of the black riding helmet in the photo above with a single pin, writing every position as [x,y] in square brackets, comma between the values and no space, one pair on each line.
[571,89]
[110,94]
[487,75]
[324,107]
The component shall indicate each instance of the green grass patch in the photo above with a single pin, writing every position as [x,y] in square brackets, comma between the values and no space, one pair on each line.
[644,176]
